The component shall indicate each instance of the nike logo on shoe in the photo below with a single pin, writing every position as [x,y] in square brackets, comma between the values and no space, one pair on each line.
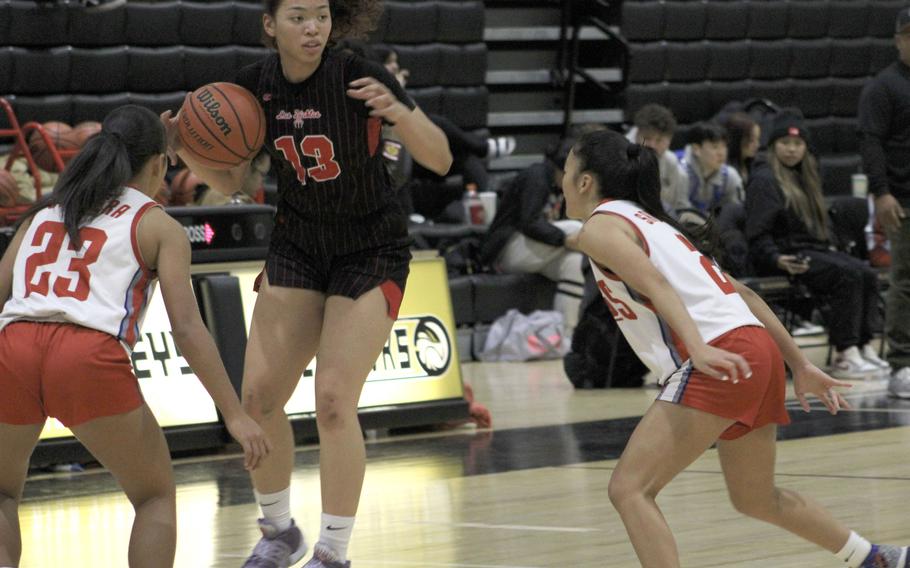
[331,528]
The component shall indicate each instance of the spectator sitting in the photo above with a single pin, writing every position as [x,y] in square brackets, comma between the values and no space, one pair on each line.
[788,230]
[744,135]
[712,183]
[654,128]
[530,233]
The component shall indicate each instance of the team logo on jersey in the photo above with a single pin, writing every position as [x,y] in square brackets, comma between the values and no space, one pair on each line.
[298,116]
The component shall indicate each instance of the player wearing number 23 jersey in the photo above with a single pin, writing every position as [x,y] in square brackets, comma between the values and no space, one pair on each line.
[104,285]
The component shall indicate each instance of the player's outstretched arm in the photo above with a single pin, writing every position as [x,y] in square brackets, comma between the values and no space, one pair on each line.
[807,378]
[227,182]
[611,242]
[164,241]
[424,140]
[8,261]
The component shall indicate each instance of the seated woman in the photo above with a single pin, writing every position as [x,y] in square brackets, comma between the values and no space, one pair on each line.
[743,138]
[788,231]
[712,183]
[530,233]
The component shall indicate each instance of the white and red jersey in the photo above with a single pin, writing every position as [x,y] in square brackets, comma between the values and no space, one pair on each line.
[709,297]
[104,285]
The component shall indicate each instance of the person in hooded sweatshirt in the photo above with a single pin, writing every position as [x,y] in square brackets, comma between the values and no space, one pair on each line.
[712,182]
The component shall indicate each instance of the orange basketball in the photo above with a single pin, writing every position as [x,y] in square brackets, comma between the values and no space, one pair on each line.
[9,189]
[60,135]
[85,130]
[221,125]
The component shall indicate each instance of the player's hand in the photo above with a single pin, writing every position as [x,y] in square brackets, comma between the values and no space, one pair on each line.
[379,98]
[792,264]
[720,364]
[812,380]
[169,120]
[252,439]
[888,212]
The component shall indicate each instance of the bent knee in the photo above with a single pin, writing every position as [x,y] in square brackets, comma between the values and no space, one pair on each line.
[260,400]
[625,488]
[760,506]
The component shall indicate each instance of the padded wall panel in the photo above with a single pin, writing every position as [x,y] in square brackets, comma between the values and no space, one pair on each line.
[40,71]
[643,21]
[726,20]
[462,64]
[34,25]
[466,106]
[203,65]
[728,61]
[687,61]
[684,21]
[206,23]
[99,70]
[43,108]
[648,62]
[247,24]
[155,69]
[460,22]
[96,107]
[153,23]
[97,28]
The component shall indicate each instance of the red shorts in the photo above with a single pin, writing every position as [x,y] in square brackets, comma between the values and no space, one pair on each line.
[753,402]
[72,373]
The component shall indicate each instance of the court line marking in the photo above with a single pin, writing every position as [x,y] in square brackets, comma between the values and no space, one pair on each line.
[538,528]
[776,474]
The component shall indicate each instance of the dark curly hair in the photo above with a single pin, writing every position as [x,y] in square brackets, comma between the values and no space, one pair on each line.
[351,19]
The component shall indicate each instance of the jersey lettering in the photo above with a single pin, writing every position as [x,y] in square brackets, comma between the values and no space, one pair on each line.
[92,241]
[316,146]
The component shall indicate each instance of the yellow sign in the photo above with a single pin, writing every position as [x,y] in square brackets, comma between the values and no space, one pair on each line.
[418,363]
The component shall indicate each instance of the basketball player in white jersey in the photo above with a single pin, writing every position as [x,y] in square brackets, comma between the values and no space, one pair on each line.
[717,349]
[73,289]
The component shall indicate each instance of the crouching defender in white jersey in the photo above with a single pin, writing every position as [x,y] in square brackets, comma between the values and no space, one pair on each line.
[719,352]
[73,288]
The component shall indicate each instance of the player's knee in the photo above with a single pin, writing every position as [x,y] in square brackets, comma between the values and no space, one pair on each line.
[259,401]
[758,505]
[333,408]
[622,489]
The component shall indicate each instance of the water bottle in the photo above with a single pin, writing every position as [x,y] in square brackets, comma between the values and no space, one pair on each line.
[474,211]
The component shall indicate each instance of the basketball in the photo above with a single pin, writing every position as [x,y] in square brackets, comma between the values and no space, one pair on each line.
[9,189]
[221,125]
[61,136]
[85,130]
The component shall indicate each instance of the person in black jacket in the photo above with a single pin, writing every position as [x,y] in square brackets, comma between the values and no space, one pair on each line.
[788,231]
[530,233]
[884,121]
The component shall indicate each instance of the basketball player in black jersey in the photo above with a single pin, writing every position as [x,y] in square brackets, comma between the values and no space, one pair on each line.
[338,260]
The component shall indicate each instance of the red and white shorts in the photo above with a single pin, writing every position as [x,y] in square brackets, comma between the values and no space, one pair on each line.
[752,403]
[66,371]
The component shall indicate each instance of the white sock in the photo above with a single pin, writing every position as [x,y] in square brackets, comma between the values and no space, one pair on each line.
[335,532]
[276,507]
[855,550]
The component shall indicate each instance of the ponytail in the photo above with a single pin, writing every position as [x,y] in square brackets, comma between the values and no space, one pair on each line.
[129,137]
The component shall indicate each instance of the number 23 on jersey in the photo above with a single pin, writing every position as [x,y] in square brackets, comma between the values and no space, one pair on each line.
[53,234]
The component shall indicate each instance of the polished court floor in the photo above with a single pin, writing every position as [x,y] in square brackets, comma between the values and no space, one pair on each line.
[531,493]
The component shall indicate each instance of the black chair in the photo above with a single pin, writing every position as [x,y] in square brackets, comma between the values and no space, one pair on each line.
[249,55]
[40,71]
[726,20]
[648,62]
[687,61]
[643,21]
[882,53]
[849,216]
[466,106]
[813,97]
[810,59]
[155,69]
[728,61]
[850,58]
[96,107]
[99,70]
[203,65]
[247,24]
[845,96]
[690,102]
[158,102]
[153,23]
[43,108]
[767,20]
[882,15]
[462,64]
[97,28]
[460,22]
[769,59]
[423,62]
[684,21]
[808,19]
[32,24]
[410,22]
[428,99]
[822,132]
[638,96]
[849,19]
[206,23]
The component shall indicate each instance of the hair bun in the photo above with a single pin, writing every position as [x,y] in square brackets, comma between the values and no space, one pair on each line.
[633,151]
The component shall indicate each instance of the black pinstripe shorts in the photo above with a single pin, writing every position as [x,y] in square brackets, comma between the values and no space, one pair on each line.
[313,265]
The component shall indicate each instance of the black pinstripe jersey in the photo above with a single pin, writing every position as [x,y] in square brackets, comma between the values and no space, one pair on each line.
[325,146]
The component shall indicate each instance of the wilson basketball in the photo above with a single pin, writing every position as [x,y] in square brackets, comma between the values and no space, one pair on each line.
[60,135]
[9,189]
[221,125]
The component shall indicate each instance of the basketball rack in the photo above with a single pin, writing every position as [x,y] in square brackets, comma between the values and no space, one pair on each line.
[20,136]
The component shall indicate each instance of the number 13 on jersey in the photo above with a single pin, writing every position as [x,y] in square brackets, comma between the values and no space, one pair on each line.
[314,146]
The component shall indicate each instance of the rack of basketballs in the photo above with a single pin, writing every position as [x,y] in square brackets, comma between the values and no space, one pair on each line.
[39,154]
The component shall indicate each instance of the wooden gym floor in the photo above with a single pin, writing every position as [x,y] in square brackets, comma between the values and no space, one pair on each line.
[532,493]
